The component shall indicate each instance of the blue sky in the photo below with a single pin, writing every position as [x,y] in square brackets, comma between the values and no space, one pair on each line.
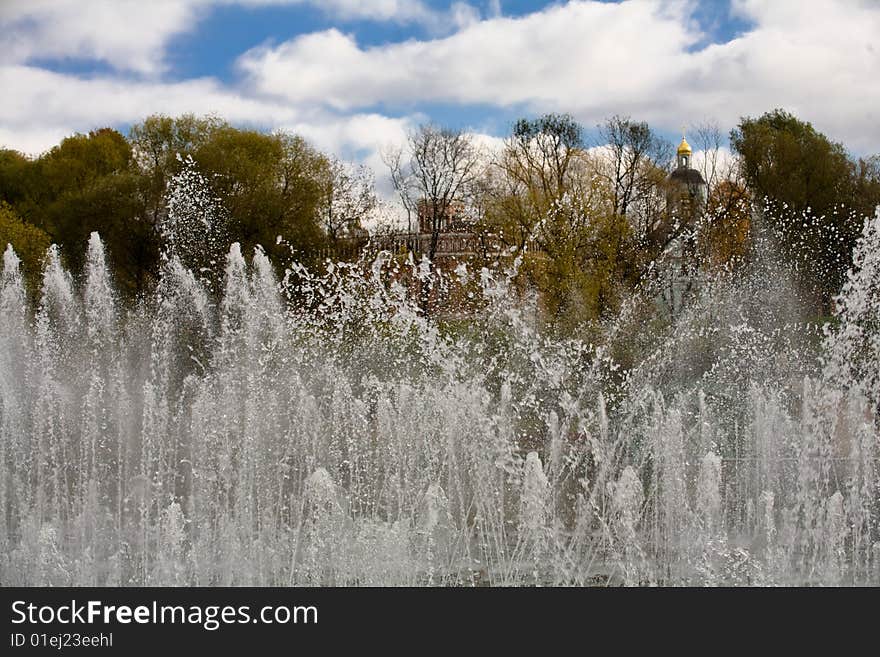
[354,75]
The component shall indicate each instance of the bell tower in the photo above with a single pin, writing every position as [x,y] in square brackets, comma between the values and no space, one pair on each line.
[684,153]
[685,198]
[686,190]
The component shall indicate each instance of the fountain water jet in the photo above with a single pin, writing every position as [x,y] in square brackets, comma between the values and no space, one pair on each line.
[321,430]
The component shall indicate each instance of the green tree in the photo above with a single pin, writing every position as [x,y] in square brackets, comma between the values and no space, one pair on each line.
[28,242]
[545,193]
[586,272]
[17,180]
[86,183]
[272,187]
[806,185]
[93,185]
[723,237]
[867,183]
[270,184]
[542,161]
[159,145]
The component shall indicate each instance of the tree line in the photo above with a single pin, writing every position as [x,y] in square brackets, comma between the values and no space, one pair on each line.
[594,210]
[591,209]
[271,185]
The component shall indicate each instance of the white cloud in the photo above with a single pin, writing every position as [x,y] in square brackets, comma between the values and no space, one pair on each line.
[820,64]
[358,138]
[360,132]
[594,59]
[558,56]
[132,35]
[46,101]
[33,139]
[126,34]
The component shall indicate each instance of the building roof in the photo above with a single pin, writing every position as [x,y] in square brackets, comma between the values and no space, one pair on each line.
[687,176]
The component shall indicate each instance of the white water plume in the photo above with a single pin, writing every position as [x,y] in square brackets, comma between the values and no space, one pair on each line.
[320,429]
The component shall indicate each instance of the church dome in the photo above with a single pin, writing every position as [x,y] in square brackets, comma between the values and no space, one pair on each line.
[687,176]
[684,148]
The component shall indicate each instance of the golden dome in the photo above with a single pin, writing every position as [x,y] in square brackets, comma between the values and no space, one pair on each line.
[684,148]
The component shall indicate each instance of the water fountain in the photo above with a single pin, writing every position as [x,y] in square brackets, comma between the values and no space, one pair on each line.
[220,433]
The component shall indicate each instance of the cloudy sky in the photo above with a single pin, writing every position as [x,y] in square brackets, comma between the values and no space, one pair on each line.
[354,75]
